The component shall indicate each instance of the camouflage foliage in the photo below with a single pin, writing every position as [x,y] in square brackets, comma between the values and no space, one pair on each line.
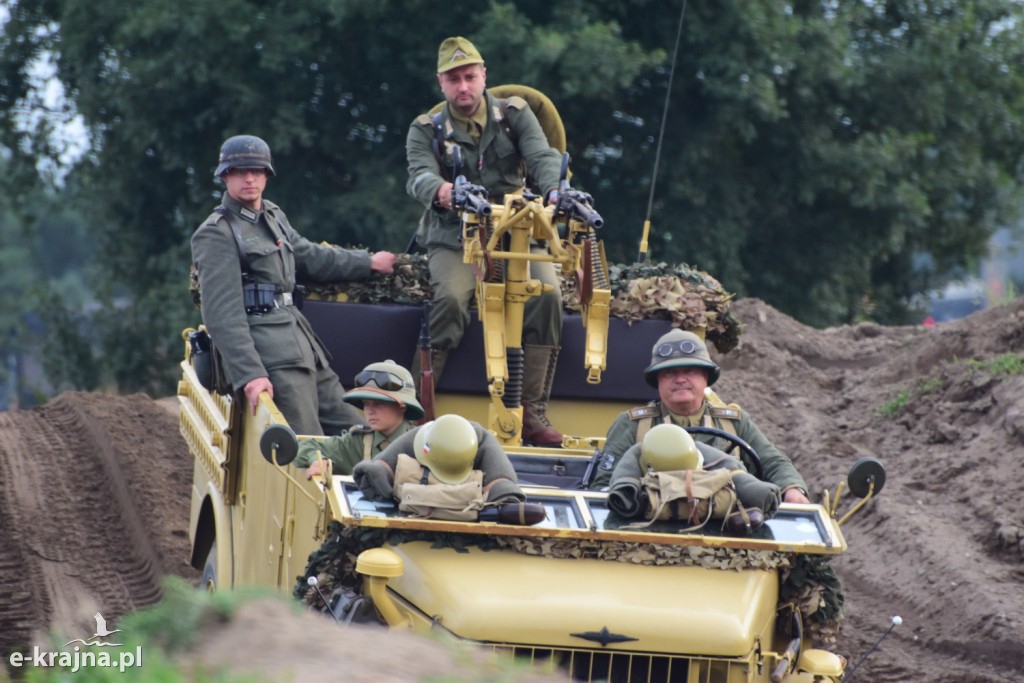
[688,297]
[808,581]
[812,586]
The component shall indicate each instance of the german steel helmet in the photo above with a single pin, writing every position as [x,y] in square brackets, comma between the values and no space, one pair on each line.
[679,348]
[668,448]
[244,151]
[386,381]
[447,447]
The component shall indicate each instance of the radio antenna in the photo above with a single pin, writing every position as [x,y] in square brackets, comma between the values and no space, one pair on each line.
[642,255]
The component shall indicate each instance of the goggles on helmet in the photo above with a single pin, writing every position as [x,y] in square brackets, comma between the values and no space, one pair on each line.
[387,381]
[669,349]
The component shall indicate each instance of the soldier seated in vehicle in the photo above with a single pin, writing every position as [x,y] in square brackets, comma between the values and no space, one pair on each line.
[387,396]
[682,371]
[449,468]
[669,476]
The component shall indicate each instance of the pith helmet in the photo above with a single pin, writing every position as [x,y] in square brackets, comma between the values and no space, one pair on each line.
[668,448]
[386,381]
[244,151]
[677,349]
[455,52]
[447,447]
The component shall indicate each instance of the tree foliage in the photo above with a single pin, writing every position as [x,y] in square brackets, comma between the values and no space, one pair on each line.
[813,149]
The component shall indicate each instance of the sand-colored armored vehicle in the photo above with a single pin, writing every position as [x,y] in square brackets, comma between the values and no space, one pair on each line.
[577,589]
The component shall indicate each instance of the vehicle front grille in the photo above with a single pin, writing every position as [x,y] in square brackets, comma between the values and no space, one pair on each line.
[630,667]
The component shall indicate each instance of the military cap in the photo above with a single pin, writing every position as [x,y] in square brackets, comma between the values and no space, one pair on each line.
[677,349]
[455,52]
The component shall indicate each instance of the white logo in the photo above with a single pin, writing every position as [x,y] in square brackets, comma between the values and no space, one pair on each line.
[84,655]
[101,632]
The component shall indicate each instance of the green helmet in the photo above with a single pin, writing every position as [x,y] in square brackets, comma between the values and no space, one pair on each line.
[386,381]
[244,151]
[667,448]
[676,349]
[447,447]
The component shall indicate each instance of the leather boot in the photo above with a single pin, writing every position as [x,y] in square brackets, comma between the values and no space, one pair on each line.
[538,374]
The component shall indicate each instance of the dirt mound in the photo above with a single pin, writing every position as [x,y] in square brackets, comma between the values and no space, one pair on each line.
[943,547]
[94,504]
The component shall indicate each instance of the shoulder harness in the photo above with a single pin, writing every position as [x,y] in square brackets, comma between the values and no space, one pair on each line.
[500,113]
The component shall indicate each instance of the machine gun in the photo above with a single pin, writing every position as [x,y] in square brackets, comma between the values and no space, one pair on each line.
[575,205]
[469,197]
[497,244]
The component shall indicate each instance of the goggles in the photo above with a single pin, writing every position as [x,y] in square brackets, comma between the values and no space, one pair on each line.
[669,349]
[387,381]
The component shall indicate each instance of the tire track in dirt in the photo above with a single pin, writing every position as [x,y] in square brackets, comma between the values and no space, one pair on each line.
[90,520]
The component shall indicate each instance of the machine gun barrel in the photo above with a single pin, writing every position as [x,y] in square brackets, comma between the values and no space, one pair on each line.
[578,205]
[469,197]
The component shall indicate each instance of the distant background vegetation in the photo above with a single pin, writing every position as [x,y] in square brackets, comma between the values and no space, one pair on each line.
[832,158]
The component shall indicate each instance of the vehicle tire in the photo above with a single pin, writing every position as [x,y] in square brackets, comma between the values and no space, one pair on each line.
[209,581]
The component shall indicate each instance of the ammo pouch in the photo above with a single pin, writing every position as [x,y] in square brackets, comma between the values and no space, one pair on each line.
[208,364]
[258,297]
[421,495]
[693,496]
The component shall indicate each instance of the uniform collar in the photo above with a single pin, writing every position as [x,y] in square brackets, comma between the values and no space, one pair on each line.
[243,212]
[695,420]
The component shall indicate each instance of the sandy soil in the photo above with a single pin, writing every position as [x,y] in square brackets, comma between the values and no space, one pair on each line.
[94,496]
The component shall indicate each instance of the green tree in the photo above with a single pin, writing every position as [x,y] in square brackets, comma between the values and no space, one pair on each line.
[813,149]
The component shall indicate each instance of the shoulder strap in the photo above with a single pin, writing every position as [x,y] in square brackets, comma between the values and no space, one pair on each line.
[368,445]
[726,414]
[505,124]
[236,230]
[438,143]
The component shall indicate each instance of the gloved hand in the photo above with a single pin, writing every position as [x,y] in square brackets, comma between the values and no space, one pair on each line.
[504,491]
[373,479]
[624,498]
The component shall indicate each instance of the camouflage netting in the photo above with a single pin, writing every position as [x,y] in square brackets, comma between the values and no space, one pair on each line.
[808,581]
[813,587]
[690,298]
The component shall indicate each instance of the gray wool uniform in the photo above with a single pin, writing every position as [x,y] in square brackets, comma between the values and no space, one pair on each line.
[279,344]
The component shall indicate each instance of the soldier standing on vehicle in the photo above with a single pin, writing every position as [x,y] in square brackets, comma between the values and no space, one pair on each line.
[387,396]
[681,369]
[499,143]
[248,258]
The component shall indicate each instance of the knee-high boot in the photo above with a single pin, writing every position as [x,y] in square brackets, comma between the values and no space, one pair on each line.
[538,374]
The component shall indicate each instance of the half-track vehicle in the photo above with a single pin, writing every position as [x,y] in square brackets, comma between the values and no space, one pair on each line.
[576,589]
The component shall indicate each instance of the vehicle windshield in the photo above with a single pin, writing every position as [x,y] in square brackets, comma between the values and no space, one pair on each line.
[585,515]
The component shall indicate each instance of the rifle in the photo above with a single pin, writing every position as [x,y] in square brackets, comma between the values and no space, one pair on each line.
[426,366]
[469,197]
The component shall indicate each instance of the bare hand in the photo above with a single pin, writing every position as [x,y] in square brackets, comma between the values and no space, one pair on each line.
[444,196]
[795,496]
[256,387]
[316,467]
[382,262]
